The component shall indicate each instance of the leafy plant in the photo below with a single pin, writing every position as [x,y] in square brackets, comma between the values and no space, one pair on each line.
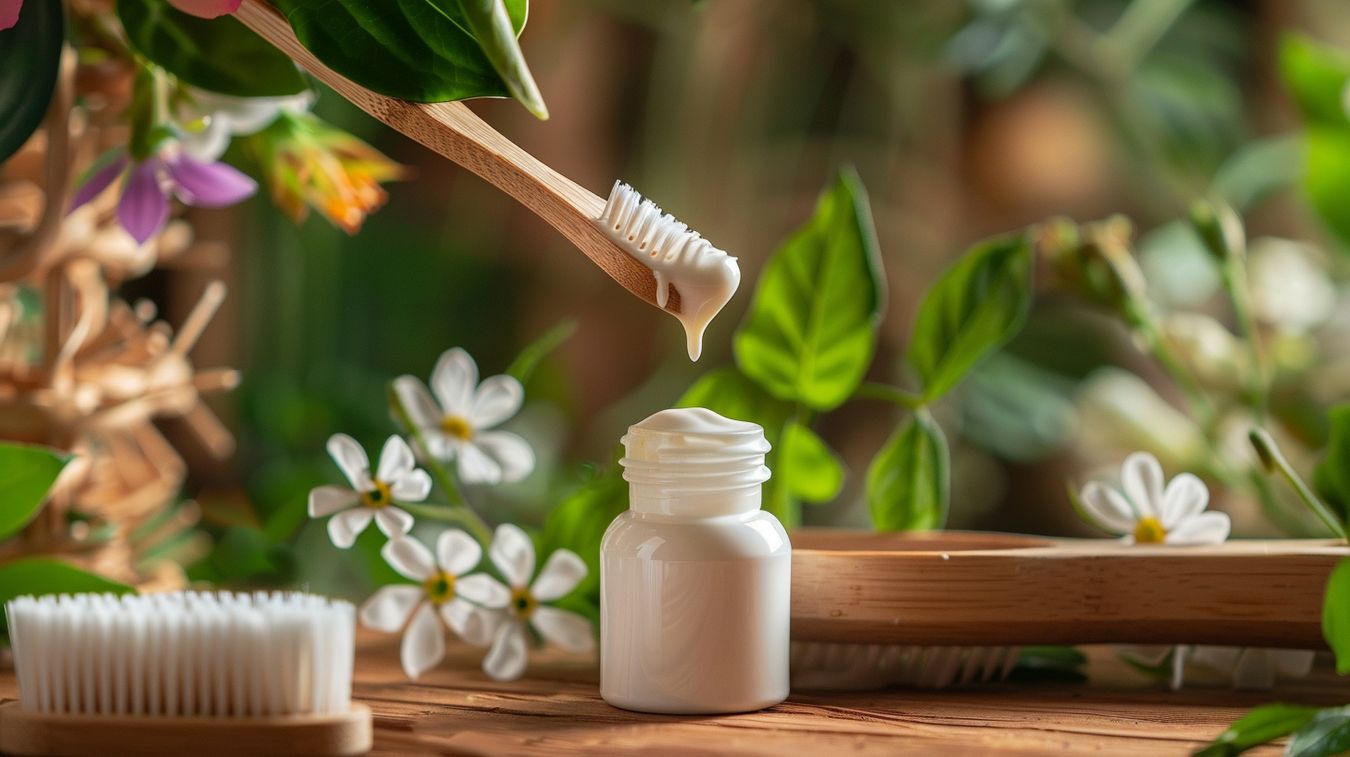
[26,473]
[30,57]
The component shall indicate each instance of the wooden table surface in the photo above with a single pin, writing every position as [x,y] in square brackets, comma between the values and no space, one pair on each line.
[557,709]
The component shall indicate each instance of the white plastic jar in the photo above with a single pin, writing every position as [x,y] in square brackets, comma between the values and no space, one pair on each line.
[695,577]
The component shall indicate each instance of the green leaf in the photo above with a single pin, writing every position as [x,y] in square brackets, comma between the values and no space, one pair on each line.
[812,326]
[579,522]
[1050,663]
[1336,615]
[1315,74]
[30,57]
[809,469]
[409,49]
[1328,733]
[1331,477]
[41,575]
[976,307]
[529,358]
[220,55]
[907,482]
[1261,725]
[26,473]
[490,24]
[1326,176]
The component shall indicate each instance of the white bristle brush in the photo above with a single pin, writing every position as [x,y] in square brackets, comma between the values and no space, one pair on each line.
[651,254]
[191,672]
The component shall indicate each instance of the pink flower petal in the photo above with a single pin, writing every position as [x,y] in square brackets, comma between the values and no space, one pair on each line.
[208,185]
[97,181]
[143,208]
[206,8]
[9,13]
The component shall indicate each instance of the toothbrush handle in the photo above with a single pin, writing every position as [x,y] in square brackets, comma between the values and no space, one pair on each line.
[453,131]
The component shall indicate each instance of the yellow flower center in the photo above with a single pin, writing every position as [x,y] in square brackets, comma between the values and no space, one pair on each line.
[1149,530]
[440,588]
[457,427]
[523,603]
[378,497]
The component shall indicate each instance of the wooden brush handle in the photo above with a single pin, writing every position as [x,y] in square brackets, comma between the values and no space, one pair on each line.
[453,131]
[998,589]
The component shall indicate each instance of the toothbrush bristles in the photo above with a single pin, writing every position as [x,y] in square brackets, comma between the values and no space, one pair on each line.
[641,227]
[185,654]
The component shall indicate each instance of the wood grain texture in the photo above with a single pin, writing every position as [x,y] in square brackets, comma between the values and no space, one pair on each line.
[453,131]
[456,710]
[26,733]
[1000,589]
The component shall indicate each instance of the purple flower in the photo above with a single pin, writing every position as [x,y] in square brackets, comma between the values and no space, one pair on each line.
[144,206]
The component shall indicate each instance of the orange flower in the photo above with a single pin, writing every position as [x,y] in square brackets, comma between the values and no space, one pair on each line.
[308,163]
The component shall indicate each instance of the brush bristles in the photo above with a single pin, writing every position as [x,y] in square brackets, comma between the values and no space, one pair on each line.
[640,227]
[187,654]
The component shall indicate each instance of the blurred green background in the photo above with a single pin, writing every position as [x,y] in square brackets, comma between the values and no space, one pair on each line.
[963,119]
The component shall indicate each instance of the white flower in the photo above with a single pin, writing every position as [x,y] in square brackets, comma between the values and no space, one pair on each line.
[512,553]
[442,589]
[207,121]
[457,427]
[398,479]
[1291,288]
[1145,512]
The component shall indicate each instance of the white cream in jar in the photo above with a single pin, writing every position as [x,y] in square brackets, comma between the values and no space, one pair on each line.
[695,577]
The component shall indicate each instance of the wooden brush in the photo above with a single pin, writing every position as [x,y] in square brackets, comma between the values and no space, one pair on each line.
[185,673]
[453,131]
[942,608]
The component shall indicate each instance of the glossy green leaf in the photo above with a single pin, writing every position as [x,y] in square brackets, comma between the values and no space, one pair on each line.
[1315,75]
[907,482]
[975,307]
[490,23]
[534,353]
[1049,663]
[1336,615]
[812,326]
[1331,477]
[1261,725]
[30,59]
[1326,176]
[26,474]
[220,55]
[40,575]
[410,49]
[806,466]
[1327,734]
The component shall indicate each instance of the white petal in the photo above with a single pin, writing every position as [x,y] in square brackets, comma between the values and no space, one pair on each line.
[407,556]
[474,625]
[506,660]
[475,467]
[344,527]
[566,629]
[422,409]
[388,609]
[1105,505]
[412,486]
[453,381]
[1185,497]
[511,453]
[351,459]
[497,398]
[1142,478]
[513,554]
[208,143]
[396,460]
[457,553]
[423,643]
[393,522]
[326,500]
[1205,528]
[483,589]
[561,573]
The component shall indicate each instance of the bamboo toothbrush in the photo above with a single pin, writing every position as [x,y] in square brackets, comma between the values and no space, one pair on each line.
[187,673]
[651,254]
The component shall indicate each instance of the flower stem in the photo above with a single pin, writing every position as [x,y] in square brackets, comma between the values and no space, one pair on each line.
[460,514]
[1234,274]
[1274,461]
[872,390]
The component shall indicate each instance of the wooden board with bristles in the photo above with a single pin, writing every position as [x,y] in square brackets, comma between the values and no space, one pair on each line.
[955,588]
[453,131]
